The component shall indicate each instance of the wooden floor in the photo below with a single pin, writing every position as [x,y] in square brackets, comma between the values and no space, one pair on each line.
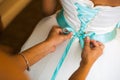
[22,26]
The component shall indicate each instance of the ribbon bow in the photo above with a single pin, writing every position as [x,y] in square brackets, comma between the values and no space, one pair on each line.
[82,36]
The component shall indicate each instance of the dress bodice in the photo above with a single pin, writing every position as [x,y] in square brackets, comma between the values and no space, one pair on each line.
[104,21]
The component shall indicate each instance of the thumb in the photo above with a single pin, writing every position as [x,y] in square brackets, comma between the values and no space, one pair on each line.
[87,42]
[68,36]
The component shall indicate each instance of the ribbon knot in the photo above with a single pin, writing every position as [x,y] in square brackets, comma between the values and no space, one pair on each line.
[81,36]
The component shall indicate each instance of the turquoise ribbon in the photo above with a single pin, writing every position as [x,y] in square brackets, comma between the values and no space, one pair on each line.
[62,59]
[105,37]
[85,15]
[118,25]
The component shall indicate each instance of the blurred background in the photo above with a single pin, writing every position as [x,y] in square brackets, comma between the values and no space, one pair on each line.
[18,18]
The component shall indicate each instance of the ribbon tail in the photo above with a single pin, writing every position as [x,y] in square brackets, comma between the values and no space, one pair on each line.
[81,42]
[62,59]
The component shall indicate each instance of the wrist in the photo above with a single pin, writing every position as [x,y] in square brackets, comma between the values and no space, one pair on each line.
[85,63]
[50,44]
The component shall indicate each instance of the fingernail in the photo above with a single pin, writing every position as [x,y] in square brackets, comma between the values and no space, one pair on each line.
[87,38]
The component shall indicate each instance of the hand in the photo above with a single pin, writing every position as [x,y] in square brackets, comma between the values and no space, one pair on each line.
[56,36]
[92,51]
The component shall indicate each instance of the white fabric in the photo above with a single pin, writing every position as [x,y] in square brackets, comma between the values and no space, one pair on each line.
[104,16]
[70,12]
[107,67]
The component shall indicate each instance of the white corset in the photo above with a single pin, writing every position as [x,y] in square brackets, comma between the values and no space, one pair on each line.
[105,21]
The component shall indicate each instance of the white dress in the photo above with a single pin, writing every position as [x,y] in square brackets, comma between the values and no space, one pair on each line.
[107,67]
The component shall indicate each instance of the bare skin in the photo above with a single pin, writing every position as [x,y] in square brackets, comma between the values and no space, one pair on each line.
[50,6]
[112,3]
[9,70]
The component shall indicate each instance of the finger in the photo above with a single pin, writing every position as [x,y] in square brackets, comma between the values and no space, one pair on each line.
[87,42]
[101,44]
[57,29]
[94,43]
[67,36]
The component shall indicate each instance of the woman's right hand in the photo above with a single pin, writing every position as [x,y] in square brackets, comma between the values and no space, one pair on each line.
[57,37]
